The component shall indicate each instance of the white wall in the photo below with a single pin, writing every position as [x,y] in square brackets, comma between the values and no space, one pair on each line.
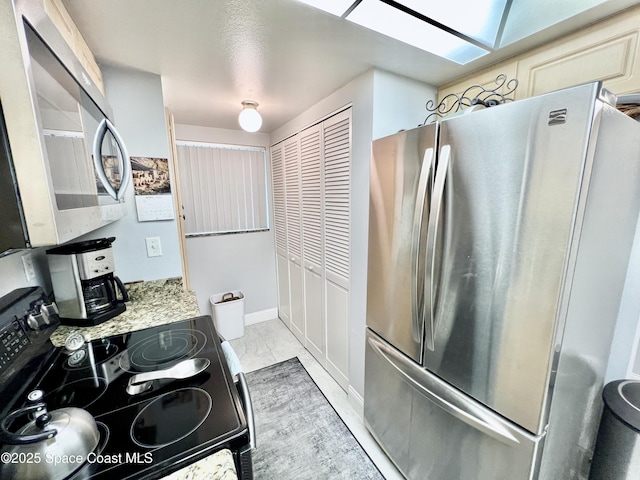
[138,110]
[382,103]
[12,272]
[399,103]
[624,359]
[244,261]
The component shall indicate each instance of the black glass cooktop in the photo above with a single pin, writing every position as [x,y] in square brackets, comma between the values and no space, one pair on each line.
[151,434]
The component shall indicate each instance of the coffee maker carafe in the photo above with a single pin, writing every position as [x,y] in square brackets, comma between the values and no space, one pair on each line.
[86,290]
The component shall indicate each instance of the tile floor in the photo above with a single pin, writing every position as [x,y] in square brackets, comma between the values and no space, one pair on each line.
[271,342]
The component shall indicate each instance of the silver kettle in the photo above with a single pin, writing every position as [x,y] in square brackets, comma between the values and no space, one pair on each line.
[53,445]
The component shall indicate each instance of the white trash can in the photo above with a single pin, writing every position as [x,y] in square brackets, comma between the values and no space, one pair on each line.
[228,313]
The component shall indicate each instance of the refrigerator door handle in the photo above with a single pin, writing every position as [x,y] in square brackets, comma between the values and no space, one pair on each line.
[432,235]
[417,306]
[444,396]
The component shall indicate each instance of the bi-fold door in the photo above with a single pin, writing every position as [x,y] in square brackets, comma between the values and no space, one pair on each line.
[311,180]
[312,211]
[280,227]
[293,201]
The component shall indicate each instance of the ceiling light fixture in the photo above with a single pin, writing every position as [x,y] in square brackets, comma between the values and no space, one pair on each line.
[250,119]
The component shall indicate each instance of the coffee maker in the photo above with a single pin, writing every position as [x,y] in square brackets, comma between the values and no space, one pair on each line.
[86,290]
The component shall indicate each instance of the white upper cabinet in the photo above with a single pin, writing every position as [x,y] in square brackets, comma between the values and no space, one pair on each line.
[63,22]
[608,50]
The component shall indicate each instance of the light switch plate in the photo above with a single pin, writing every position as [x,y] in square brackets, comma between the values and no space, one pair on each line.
[154,249]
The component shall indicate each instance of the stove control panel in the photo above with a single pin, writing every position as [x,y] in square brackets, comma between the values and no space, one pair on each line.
[27,318]
[13,340]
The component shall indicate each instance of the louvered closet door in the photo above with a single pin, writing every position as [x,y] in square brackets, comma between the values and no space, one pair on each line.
[280,225]
[337,233]
[291,151]
[312,238]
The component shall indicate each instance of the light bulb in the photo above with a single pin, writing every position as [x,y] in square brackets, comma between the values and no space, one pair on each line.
[250,119]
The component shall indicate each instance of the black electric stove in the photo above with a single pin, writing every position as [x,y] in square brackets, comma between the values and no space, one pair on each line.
[146,435]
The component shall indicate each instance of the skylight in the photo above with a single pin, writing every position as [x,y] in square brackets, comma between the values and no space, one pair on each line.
[398,21]
[458,30]
[478,19]
[394,23]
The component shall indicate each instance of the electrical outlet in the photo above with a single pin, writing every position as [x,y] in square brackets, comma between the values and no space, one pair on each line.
[29,270]
[154,249]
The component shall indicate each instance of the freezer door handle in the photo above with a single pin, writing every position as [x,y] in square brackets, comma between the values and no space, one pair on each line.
[445,396]
[417,282]
[432,235]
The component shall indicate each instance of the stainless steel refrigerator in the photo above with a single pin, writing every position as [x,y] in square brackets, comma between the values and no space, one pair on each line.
[498,247]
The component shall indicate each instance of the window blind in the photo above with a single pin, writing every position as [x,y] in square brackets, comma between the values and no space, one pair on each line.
[224,188]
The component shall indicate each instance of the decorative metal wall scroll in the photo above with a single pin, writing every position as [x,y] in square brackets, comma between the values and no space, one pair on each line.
[474,95]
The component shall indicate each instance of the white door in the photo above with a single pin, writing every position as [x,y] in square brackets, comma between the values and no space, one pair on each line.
[291,149]
[337,235]
[280,225]
[312,238]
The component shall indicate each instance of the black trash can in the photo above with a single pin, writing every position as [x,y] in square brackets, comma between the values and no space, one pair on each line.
[617,451]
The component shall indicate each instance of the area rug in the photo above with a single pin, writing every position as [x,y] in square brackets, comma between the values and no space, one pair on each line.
[299,434]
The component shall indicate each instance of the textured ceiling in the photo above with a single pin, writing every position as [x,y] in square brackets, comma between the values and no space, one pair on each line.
[212,54]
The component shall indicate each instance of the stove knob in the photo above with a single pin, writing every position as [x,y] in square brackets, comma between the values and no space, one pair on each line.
[48,311]
[36,321]
[43,317]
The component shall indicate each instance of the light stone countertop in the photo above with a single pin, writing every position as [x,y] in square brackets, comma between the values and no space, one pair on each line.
[218,466]
[156,303]
[151,304]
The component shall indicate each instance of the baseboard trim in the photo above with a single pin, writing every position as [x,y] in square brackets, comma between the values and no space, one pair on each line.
[356,401]
[337,375]
[260,316]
